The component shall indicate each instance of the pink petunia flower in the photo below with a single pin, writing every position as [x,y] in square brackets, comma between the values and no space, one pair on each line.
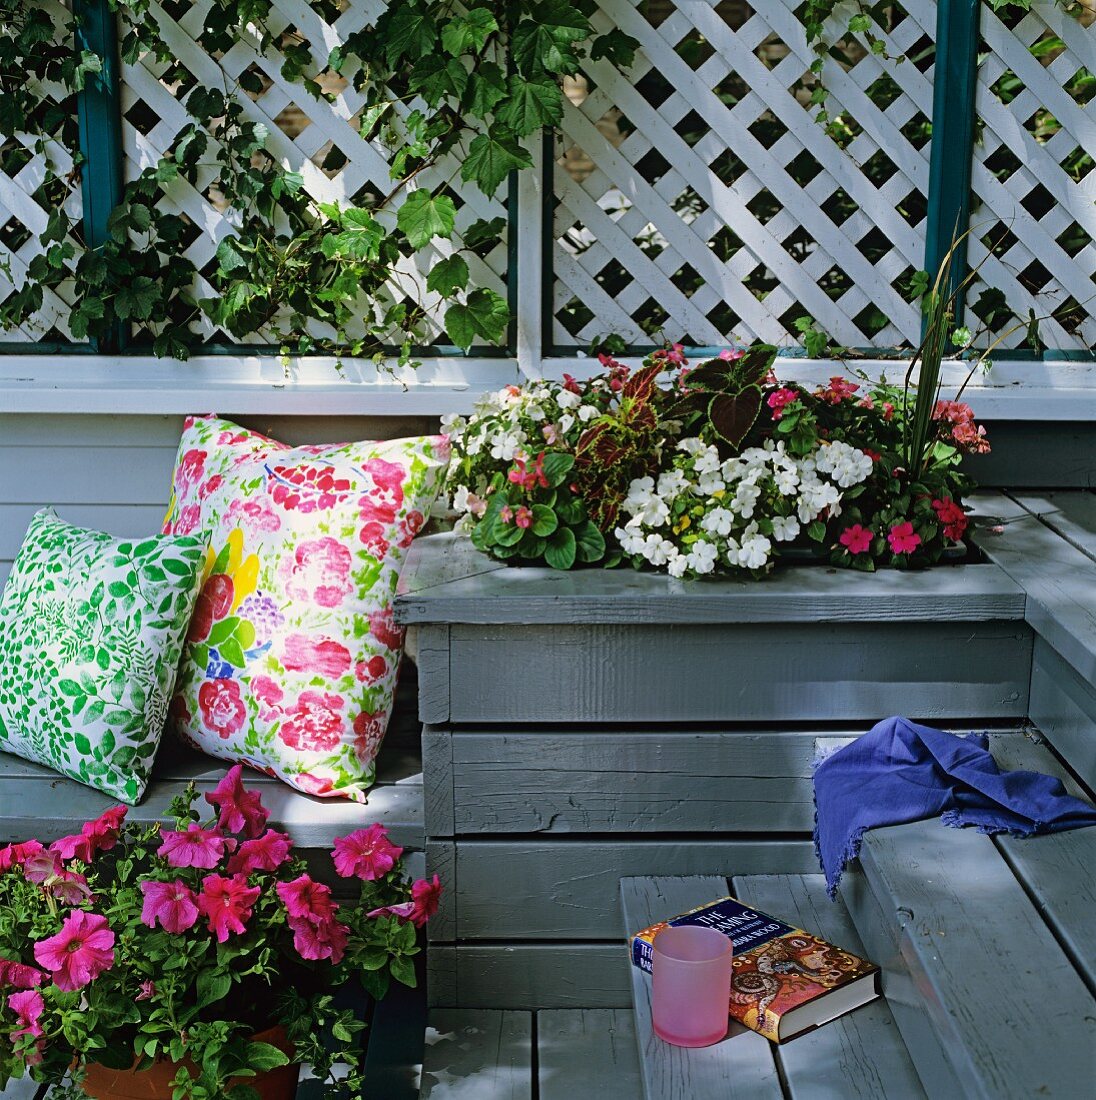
[226,904]
[147,990]
[95,836]
[903,539]
[19,975]
[239,810]
[366,854]
[28,1007]
[325,940]
[171,905]
[79,953]
[307,900]
[42,866]
[266,853]
[69,888]
[425,896]
[196,847]
[15,855]
[856,539]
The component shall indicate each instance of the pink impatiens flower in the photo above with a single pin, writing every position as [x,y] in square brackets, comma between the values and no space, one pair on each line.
[903,539]
[226,904]
[171,905]
[367,854]
[856,539]
[196,847]
[778,399]
[265,853]
[240,810]
[952,518]
[79,953]
[18,975]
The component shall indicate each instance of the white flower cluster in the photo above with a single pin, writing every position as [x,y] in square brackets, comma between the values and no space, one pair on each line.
[706,511]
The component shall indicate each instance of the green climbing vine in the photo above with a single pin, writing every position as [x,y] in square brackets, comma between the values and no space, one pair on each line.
[442,84]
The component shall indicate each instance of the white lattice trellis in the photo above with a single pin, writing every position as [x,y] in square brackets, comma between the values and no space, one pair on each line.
[1034,226]
[698,190]
[32,185]
[303,130]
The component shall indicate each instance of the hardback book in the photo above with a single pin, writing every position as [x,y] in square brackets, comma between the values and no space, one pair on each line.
[784,981]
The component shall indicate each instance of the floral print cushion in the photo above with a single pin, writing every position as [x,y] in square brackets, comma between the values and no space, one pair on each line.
[91,631]
[290,662]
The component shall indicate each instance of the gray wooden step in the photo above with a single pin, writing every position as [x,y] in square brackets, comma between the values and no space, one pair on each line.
[986,945]
[484,1054]
[860,1056]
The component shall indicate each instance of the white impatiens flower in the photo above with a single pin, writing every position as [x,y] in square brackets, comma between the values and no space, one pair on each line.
[568,400]
[787,481]
[755,549]
[658,550]
[707,461]
[719,521]
[785,528]
[506,444]
[671,483]
[692,446]
[677,565]
[702,556]
[847,465]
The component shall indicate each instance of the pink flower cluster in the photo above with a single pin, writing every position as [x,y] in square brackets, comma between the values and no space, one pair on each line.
[968,436]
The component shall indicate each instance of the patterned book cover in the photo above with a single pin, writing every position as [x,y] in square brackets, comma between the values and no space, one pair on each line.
[775,967]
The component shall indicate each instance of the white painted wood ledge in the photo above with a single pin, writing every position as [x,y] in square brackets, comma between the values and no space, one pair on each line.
[261,385]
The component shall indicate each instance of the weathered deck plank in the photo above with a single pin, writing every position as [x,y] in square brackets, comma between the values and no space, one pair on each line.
[993,981]
[569,889]
[742,1065]
[1063,706]
[478,1055]
[587,1052]
[1069,513]
[858,1056]
[666,673]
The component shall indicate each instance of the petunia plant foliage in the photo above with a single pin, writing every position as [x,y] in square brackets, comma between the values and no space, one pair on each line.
[125,945]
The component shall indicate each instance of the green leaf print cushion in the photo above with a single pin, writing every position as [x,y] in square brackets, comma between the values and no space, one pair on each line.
[91,632]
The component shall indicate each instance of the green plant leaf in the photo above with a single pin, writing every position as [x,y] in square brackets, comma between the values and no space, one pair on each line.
[561,549]
[424,216]
[264,1056]
[530,105]
[490,313]
[212,985]
[545,520]
[460,325]
[468,33]
[491,158]
[448,276]
[545,41]
[557,466]
[589,543]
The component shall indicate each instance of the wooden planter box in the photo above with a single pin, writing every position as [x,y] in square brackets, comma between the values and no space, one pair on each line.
[588,726]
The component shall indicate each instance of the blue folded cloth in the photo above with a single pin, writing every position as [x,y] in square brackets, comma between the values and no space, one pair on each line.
[900,771]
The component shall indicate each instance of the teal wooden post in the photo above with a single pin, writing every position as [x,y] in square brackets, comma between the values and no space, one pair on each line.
[99,108]
[956,78]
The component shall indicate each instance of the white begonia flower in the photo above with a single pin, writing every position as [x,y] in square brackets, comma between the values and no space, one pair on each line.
[702,556]
[785,528]
[466,523]
[474,445]
[586,413]
[719,521]
[535,413]
[692,445]
[566,423]
[677,566]
[452,424]
[568,400]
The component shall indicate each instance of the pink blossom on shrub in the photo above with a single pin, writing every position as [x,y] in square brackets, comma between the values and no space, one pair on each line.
[226,904]
[952,518]
[41,867]
[239,810]
[171,905]
[196,847]
[366,854]
[265,853]
[79,953]
[68,887]
[778,399]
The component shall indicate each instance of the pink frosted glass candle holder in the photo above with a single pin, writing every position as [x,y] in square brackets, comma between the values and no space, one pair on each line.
[691,985]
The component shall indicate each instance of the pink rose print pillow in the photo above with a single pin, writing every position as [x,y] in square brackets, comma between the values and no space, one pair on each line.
[290,660]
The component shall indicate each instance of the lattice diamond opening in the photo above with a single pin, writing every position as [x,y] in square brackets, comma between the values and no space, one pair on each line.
[1034,216]
[34,182]
[320,138]
[705,158]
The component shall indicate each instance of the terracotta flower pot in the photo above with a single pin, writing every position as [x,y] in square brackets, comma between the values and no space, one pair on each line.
[155,1083]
